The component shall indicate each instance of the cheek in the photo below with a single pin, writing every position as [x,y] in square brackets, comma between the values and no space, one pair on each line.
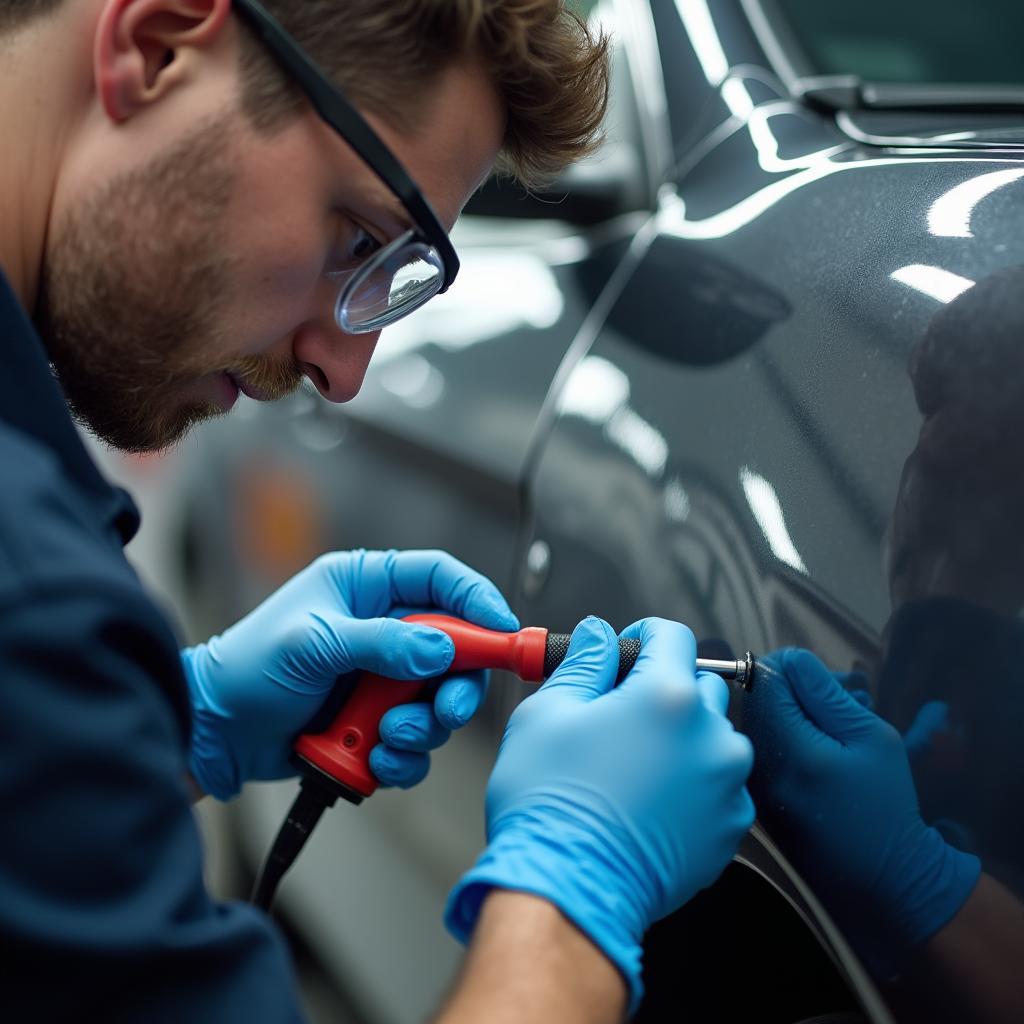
[277,278]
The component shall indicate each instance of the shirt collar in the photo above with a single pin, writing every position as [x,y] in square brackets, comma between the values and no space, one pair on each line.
[31,401]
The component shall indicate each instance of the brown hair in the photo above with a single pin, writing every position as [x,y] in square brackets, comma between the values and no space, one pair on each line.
[546,65]
[13,13]
[548,68]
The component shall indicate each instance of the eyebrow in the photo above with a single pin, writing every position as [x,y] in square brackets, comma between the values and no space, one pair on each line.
[397,213]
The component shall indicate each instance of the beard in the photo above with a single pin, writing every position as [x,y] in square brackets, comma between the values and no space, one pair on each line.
[134,287]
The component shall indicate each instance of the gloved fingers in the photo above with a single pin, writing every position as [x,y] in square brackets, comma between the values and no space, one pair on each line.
[827,705]
[435,578]
[459,698]
[413,727]
[391,648]
[713,691]
[668,655]
[738,814]
[773,715]
[931,719]
[403,611]
[741,759]
[746,812]
[591,664]
[855,681]
[401,768]
[862,697]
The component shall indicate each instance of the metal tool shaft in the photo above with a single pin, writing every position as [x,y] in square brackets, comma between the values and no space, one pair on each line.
[741,672]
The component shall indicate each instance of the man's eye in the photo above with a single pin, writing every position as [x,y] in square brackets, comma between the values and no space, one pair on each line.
[363,245]
[352,246]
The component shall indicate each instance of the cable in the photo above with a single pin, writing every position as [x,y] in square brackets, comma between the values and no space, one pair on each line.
[312,801]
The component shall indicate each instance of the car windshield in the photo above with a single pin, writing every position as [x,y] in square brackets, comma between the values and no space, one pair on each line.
[913,41]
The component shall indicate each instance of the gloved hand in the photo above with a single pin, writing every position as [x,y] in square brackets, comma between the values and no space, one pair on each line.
[832,783]
[930,724]
[616,804]
[258,685]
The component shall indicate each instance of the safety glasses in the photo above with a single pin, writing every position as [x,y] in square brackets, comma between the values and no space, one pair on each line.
[408,271]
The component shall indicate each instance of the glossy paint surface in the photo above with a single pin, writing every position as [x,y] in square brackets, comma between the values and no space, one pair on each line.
[800,425]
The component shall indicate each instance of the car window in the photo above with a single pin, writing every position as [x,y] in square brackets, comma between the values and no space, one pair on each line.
[913,41]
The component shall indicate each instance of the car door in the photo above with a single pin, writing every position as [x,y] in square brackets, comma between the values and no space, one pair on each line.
[763,440]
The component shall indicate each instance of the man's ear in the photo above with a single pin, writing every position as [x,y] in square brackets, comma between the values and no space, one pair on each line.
[138,44]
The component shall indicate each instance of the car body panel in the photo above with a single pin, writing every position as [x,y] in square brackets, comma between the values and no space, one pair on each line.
[732,450]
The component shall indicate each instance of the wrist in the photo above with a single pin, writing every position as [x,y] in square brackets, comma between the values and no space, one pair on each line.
[528,961]
[889,924]
[195,791]
[939,882]
[573,871]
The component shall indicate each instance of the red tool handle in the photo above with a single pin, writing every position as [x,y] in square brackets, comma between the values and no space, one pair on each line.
[343,750]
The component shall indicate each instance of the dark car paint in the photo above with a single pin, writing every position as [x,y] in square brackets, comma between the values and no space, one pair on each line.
[745,484]
[717,428]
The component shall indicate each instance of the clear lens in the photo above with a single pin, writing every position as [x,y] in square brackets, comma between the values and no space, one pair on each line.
[390,285]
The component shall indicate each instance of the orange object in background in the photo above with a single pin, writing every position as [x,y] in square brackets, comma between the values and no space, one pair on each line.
[278,525]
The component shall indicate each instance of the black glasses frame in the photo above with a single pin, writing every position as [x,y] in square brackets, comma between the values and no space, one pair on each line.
[333,108]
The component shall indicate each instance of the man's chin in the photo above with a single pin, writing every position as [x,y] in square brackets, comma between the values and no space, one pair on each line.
[145,436]
[158,427]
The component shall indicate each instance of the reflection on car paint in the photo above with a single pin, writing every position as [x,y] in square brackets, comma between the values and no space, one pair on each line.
[932,281]
[763,526]
[950,215]
[599,393]
[673,215]
[700,27]
[764,504]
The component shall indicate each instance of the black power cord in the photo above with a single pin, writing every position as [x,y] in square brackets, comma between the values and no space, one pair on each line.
[317,792]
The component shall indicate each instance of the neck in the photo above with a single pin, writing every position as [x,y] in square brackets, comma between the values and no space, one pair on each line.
[42,67]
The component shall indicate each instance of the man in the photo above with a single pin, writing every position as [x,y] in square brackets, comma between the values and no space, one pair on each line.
[191,209]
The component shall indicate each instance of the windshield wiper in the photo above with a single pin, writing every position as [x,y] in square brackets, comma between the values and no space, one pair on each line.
[848,92]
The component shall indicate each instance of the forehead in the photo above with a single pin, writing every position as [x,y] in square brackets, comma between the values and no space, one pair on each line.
[453,145]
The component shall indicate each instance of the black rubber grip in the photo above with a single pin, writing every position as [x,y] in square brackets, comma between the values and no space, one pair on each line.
[558,646]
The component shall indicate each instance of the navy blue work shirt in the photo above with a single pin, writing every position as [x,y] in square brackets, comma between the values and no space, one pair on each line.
[103,911]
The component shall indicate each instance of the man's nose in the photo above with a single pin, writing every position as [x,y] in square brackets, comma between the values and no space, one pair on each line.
[334,361]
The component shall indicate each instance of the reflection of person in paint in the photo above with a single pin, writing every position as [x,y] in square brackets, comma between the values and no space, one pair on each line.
[956,571]
[891,829]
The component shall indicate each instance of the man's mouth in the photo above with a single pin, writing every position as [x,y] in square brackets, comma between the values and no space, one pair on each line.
[227,391]
[249,390]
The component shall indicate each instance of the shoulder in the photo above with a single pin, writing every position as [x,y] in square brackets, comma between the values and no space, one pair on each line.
[67,590]
[49,529]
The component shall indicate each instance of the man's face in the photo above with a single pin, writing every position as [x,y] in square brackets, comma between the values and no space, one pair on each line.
[174,282]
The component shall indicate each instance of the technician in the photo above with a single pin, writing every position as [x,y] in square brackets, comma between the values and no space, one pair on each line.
[189,209]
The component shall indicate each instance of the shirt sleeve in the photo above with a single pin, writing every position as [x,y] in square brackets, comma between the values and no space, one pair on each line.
[103,911]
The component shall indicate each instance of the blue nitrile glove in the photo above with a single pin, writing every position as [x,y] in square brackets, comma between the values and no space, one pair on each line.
[256,687]
[832,782]
[616,804]
[930,722]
